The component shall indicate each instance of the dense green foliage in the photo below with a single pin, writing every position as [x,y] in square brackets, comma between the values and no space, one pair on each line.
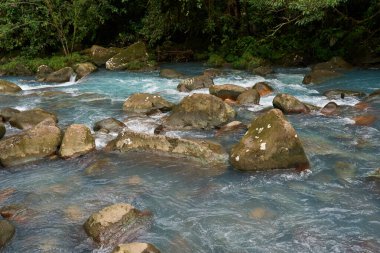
[236,31]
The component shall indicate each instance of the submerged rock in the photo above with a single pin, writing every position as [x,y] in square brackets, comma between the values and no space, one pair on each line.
[334,94]
[263,88]
[203,151]
[145,103]
[249,97]
[36,143]
[289,104]
[60,76]
[84,69]
[30,118]
[7,230]
[2,130]
[365,120]
[8,87]
[115,223]
[77,141]
[109,125]
[226,91]
[171,73]
[200,111]
[134,57]
[270,143]
[136,247]
[195,83]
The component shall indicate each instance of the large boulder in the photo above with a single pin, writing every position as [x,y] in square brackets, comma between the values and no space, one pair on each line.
[195,83]
[7,230]
[289,104]
[249,97]
[226,91]
[100,55]
[326,70]
[7,113]
[334,64]
[200,111]
[136,247]
[338,93]
[33,144]
[109,125]
[42,72]
[134,57]
[60,76]
[203,151]
[145,103]
[171,73]
[8,87]
[319,75]
[77,141]
[2,130]
[263,88]
[30,118]
[84,69]
[270,143]
[115,223]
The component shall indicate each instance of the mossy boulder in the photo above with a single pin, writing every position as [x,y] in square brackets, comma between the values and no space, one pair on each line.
[77,141]
[171,73]
[7,230]
[195,83]
[2,130]
[226,91]
[289,104]
[30,118]
[335,63]
[202,151]
[200,111]
[100,55]
[136,247]
[33,144]
[109,125]
[113,224]
[249,97]
[7,87]
[270,143]
[42,72]
[134,57]
[326,70]
[7,113]
[60,76]
[263,88]
[84,69]
[145,103]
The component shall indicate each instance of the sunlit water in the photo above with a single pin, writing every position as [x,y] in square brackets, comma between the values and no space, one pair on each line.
[332,208]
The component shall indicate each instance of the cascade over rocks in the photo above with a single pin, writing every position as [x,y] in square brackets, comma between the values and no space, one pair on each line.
[8,87]
[326,70]
[270,143]
[203,151]
[134,57]
[195,83]
[136,247]
[199,111]
[263,88]
[60,76]
[7,230]
[31,145]
[30,118]
[249,97]
[289,104]
[116,223]
[145,103]
[171,73]
[84,69]
[77,141]
[226,91]
[109,125]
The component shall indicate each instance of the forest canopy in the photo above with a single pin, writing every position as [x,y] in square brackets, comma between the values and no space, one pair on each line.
[316,29]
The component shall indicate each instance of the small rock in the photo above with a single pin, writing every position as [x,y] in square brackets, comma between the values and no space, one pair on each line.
[336,94]
[136,247]
[263,70]
[213,72]
[263,88]
[249,97]
[2,130]
[145,103]
[232,126]
[260,213]
[194,83]
[171,73]
[7,230]
[289,104]
[226,91]
[109,125]
[77,141]
[61,76]
[330,108]
[100,55]
[42,72]
[84,69]
[8,87]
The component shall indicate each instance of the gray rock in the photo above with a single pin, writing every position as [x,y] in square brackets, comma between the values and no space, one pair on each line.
[109,125]
[77,141]
[194,83]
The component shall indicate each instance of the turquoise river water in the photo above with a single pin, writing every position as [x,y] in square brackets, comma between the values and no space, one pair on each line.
[332,207]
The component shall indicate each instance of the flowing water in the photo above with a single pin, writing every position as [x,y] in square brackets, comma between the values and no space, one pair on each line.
[331,208]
